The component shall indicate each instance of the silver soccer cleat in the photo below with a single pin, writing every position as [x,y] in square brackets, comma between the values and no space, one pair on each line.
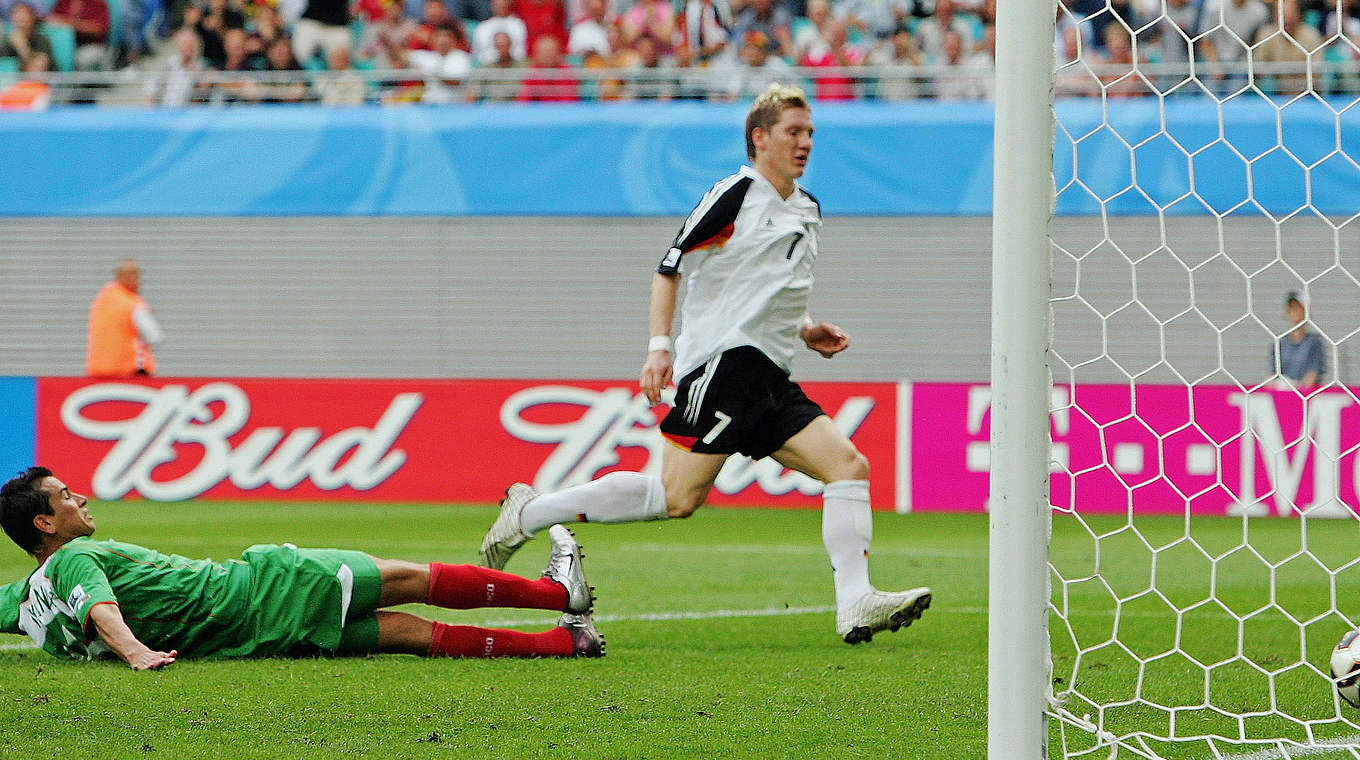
[880,611]
[506,534]
[564,567]
[585,640]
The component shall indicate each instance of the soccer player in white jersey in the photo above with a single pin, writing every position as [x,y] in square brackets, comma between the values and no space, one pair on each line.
[747,252]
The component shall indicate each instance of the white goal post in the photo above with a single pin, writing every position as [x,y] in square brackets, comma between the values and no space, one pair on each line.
[1168,573]
[1023,198]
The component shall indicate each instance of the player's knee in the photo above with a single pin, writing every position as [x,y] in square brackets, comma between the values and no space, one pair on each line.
[682,505]
[852,466]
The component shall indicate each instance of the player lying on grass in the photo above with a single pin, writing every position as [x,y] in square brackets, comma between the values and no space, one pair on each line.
[89,598]
[747,251]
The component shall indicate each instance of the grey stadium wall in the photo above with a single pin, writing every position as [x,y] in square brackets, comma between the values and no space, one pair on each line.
[567,297]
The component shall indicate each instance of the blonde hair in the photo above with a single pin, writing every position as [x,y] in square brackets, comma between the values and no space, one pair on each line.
[776,99]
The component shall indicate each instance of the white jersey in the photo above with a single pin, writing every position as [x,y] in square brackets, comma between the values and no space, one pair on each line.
[746,255]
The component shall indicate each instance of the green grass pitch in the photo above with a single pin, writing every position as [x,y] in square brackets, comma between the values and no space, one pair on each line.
[721,645]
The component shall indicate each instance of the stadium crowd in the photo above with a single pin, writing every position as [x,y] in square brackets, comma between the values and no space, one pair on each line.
[565,50]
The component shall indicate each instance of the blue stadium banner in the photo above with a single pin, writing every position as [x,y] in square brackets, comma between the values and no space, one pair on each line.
[656,159]
[18,404]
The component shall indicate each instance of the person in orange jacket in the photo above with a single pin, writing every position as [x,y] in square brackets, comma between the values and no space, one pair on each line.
[122,327]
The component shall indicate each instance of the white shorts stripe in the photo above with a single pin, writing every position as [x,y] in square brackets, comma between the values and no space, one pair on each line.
[346,577]
[698,389]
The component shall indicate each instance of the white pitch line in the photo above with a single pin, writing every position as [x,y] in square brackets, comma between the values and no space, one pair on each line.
[1340,747]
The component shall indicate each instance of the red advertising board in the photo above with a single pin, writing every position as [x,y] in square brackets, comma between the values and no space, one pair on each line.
[171,439]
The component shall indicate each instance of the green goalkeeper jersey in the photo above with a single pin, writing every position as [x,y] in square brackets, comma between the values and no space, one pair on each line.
[169,602]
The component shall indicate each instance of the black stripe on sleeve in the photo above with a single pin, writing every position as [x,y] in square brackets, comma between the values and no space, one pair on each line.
[814,200]
[706,225]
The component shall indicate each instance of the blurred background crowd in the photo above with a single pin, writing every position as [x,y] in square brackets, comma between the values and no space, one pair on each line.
[176,52]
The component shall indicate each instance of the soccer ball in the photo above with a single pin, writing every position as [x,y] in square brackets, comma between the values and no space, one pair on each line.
[1346,668]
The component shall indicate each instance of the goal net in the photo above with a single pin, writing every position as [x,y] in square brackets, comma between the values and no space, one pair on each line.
[1203,558]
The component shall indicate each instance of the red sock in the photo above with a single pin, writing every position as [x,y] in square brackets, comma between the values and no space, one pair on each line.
[469,641]
[465,587]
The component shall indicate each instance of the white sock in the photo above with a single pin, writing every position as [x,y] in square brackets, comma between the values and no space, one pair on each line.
[847,530]
[615,498]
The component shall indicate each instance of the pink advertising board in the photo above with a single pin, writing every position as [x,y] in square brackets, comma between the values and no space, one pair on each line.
[1219,449]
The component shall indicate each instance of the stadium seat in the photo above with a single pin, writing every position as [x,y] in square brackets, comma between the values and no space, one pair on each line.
[9,64]
[63,39]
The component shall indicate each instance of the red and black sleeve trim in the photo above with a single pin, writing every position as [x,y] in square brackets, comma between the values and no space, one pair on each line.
[711,223]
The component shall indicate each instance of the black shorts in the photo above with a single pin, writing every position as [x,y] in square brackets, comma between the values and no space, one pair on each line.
[739,402]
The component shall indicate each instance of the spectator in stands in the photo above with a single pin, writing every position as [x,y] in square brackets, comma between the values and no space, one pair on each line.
[500,87]
[1342,31]
[90,19]
[178,85]
[1123,79]
[983,60]
[652,18]
[122,328]
[1286,41]
[435,15]
[705,28]
[30,92]
[1299,358]
[279,60]
[370,11]
[542,17]
[838,53]
[342,85]
[138,28]
[543,89]
[401,90]
[323,27]
[958,79]
[263,29]
[757,69]
[1073,76]
[445,67]
[236,53]
[653,84]
[931,32]
[899,51]
[811,39]
[40,7]
[393,32]
[1228,28]
[878,19]
[1171,37]
[772,22]
[232,89]
[212,23]
[502,20]
[589,35]
[620,56]
[24,39]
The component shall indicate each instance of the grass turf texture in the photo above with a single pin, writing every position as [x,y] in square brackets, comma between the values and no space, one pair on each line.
[778,684]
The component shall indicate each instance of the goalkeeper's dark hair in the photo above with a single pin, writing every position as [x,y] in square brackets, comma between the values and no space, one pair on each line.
[20,501]
[765,112]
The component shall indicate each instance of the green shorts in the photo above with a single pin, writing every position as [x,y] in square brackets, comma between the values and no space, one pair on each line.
[309,601]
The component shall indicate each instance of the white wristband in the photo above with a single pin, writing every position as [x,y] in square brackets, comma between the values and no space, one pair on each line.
[661,343]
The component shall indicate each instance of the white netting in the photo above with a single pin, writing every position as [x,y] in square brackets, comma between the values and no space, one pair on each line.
[1200,576]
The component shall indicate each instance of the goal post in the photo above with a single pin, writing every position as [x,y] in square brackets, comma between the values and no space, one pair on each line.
[1023,202]
[1174,502]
